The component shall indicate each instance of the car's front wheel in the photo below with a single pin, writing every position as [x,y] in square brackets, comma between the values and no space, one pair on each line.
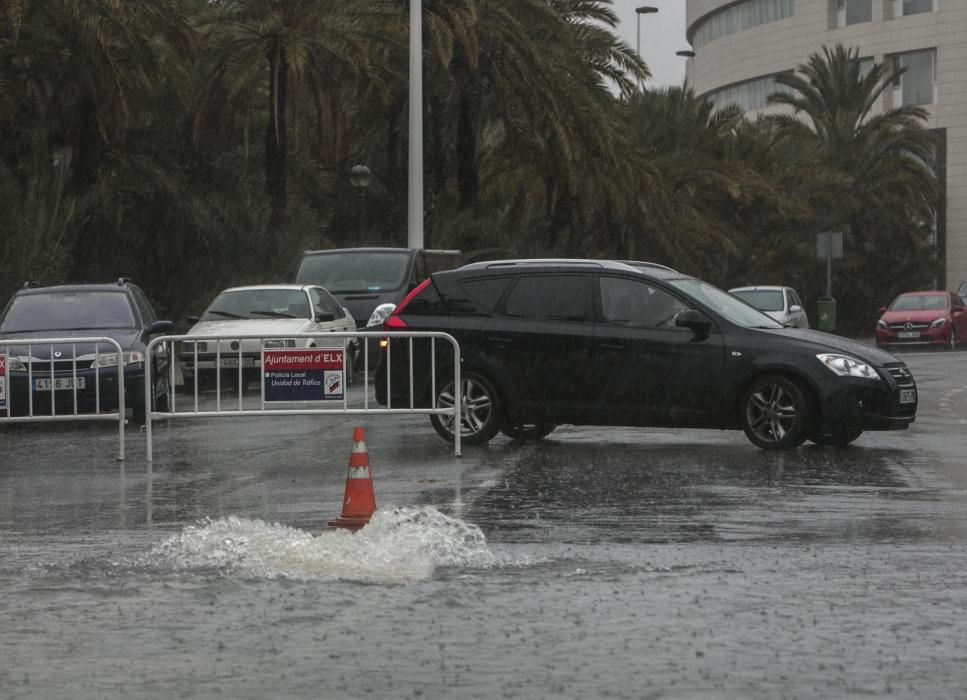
[775,413]
[952,343]
[479,413]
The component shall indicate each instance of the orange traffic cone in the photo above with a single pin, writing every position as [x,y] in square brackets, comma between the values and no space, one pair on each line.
[359,502]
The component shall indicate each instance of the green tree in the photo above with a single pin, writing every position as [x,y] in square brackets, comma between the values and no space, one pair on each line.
[872,175]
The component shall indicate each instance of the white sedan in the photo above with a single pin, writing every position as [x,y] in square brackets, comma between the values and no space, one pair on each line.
[270,311]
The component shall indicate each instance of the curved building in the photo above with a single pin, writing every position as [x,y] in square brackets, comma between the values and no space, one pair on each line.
[741,45]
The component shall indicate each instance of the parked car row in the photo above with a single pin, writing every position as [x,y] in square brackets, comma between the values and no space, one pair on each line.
[69,377]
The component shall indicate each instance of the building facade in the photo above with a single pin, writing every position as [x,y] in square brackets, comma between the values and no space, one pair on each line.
[741,45]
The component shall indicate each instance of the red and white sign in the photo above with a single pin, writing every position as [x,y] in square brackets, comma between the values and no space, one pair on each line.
[306,374]
[3,381]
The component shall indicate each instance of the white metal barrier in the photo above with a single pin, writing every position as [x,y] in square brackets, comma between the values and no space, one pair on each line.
[307,354]
[27,378]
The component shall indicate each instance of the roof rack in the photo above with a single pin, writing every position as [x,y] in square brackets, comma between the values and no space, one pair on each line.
[30,284]
[123,280]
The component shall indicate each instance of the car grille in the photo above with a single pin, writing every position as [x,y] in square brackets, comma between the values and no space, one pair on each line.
[904,380]
[909,326]
[59,366]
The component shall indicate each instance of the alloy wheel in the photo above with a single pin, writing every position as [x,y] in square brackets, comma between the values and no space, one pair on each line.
[479,411]
[775,413]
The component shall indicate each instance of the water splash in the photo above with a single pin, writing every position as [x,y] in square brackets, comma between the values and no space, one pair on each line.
[398,545]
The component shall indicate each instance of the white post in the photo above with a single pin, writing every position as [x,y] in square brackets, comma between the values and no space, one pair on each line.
[414,236]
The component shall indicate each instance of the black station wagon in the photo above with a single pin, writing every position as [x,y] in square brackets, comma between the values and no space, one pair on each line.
[589,342]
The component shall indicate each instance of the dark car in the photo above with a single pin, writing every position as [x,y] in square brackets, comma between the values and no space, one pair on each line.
[366,279]
[923,319]
[589,342]
[119,311]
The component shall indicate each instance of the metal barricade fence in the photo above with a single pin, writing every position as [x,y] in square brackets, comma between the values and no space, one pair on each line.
[316,358]
[35,372]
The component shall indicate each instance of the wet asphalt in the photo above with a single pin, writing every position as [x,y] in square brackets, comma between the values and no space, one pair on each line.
[597,563]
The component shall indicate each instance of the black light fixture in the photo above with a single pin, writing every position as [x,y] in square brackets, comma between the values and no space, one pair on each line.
[686,53]
[360,176]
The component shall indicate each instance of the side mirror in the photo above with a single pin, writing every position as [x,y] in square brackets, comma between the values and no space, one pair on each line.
[325,316]
[158,328]
[694,320]
[795,309]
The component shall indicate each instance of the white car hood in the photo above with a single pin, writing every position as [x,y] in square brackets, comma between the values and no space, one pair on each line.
[248,326]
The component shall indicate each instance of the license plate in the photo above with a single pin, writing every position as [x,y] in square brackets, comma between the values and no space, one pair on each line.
[43,383]
[232,362]
[905,335]
[908,395]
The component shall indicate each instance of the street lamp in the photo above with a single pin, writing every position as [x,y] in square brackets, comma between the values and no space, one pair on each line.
[686,54]
[360,177]
[643,10]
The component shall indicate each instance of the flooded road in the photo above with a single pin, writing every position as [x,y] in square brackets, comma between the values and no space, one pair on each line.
[599,563]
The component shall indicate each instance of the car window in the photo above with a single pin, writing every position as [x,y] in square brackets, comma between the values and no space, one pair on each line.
[550,298]
[957,302]
[794,299]
[919,302]
[148,314]
[634,303]
[75,310]
[258,303]
[723,303]
[325,302]
[355,271]
[765,299]
[486,292]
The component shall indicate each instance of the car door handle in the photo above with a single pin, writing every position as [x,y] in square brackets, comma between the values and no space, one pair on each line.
[614,347]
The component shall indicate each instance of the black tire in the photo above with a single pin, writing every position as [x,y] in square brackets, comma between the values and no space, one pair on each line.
[775,413]
[481,414]
[837,439]
[350,368]
[526,432]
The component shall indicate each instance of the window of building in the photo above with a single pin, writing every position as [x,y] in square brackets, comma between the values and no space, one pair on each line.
[750,95]
[740,16]
[853,12]
[902,8]
[916,85]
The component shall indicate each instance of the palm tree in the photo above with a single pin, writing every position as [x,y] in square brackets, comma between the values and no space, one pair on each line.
[872,171]
[257,49]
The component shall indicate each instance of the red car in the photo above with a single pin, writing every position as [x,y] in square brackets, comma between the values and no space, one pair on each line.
[923,319]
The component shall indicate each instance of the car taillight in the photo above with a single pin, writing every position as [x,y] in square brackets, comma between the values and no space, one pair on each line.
[393,322]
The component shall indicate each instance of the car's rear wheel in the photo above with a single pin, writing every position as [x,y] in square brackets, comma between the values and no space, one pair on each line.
[775,413]
[525,432]
[840,438]
[480,410]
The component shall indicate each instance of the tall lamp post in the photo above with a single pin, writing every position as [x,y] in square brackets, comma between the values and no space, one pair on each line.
[360,177]
[643,10]
[687,54]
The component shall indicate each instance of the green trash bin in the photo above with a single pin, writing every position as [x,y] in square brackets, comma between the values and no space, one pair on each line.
[826,314]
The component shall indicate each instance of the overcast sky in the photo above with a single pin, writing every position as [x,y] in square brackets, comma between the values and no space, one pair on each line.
[662,34]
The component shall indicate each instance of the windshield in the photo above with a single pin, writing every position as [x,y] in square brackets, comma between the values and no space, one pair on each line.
[919,302]
[723,303]
[68,311]
[767,300]
[355,271]
[258,303]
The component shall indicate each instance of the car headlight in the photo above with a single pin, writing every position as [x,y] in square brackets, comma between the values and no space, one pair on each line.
[846,366]
[380,314]
[939,323]
[881,324]
[279,343]
[110,359]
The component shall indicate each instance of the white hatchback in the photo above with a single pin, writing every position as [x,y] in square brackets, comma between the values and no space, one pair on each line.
[781,303]
[270,311]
